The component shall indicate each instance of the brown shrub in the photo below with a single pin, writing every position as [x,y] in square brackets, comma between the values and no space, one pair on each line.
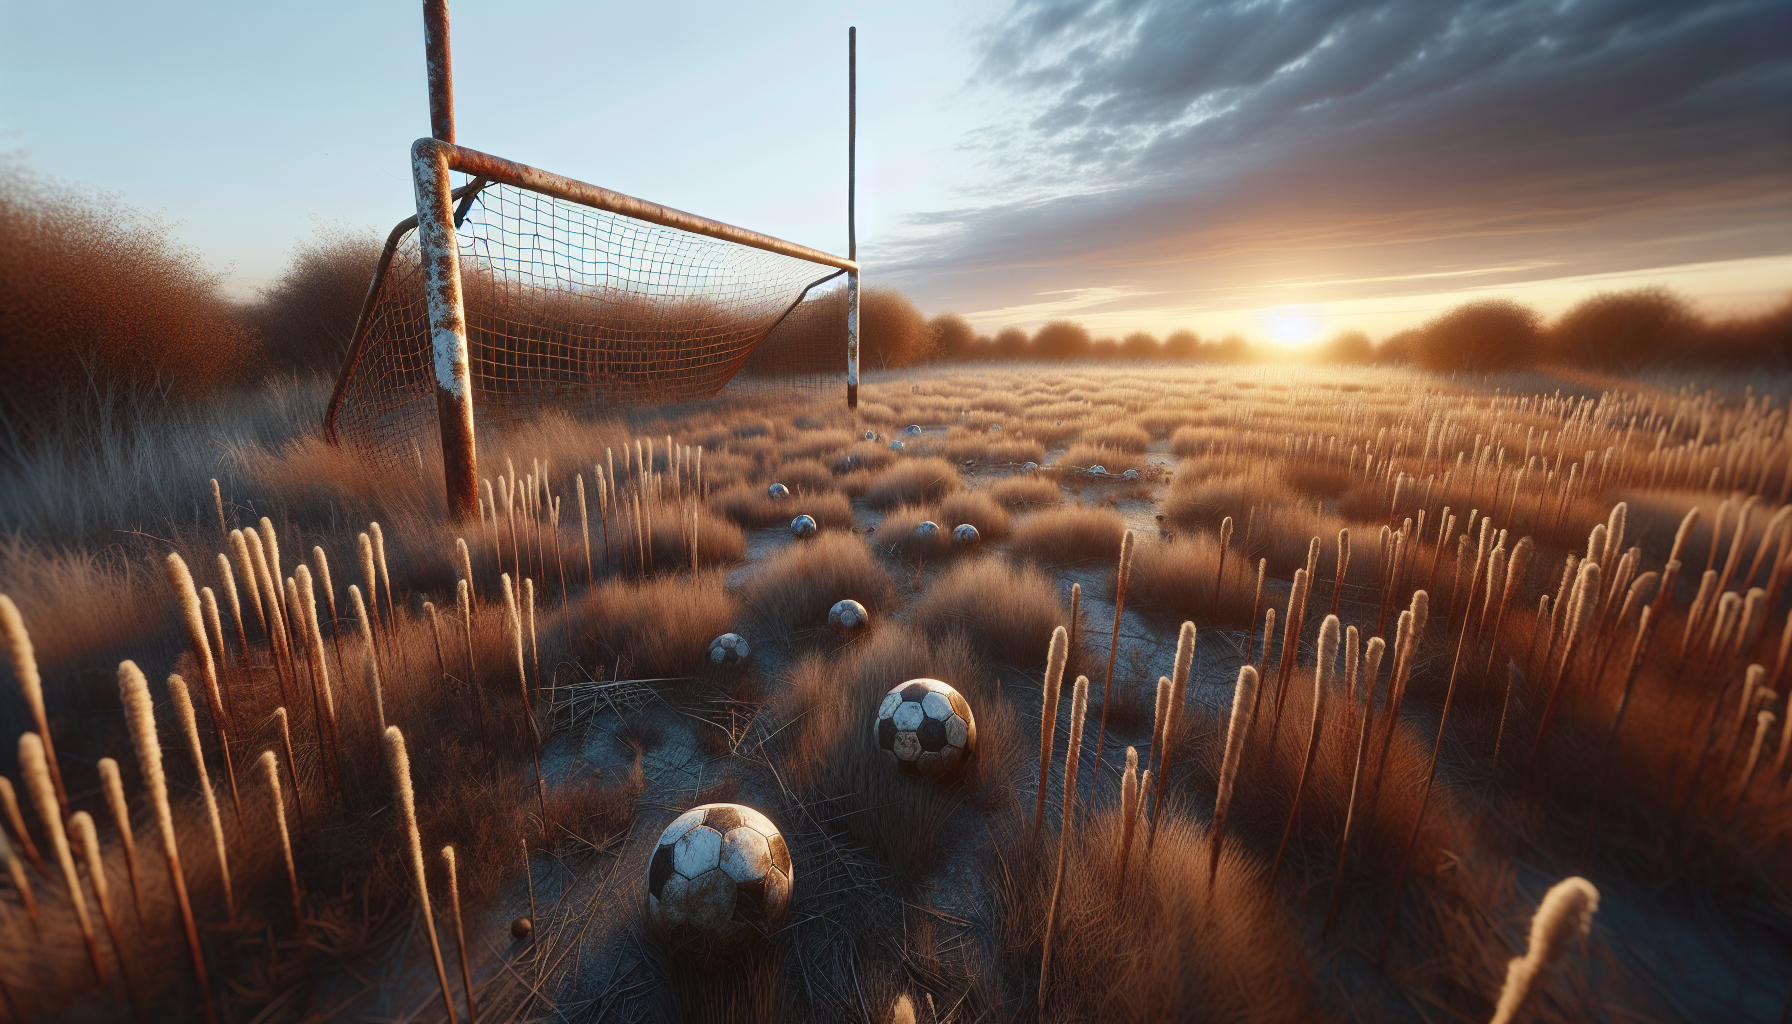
[1006,612]
[799,584]
[307,318]
[897,534]
[1016,492]
[805,476]
[750,506]
[660,627]
[1088,456]
[1178,579]
[1121,437]
[910,481]
[977,509]
[1068,534]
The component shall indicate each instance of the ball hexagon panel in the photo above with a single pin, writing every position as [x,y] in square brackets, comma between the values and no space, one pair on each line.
[803,526]
[848,617]
[719,874]
[926,728]
[729,649]
[777,492]
[965,535]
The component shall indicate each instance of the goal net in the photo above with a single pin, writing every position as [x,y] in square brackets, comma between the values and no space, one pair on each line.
[575,308]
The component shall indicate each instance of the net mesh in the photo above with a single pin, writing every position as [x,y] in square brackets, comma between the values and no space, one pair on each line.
[574,308]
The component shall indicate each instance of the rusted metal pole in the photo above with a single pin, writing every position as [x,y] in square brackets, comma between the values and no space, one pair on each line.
[440,67]
[447,323]
[852,228]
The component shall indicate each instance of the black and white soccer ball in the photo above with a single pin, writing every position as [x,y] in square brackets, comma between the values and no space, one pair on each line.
[895,446]
[719,875]
[729,649]
[964,535]
[870,435]
[1098,470]
[1131,474]
[926,728]
[848,617]
[803,526]
[777,492]
[927,530]
[1031,467]
[913,430]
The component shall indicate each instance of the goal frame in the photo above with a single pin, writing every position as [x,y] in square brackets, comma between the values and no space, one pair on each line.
[433,158]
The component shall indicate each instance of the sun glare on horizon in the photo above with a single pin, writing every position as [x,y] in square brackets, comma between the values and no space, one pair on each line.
[1294,326]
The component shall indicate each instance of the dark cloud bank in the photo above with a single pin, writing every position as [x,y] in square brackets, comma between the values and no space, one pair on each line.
[1202,149]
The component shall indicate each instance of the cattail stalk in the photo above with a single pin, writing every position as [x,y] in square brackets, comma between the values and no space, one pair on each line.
[308,608]
[1079,708]
[529,624]
[140,715]
[35,768]
[584,527]
[113,786]
[1237,731]
[270,771]
[20,880]
[463,600]
[189,723]
[23,656]
[1343,567]
[372,670]
[323,578]
[379,556]
[1371,670]
[1056,656]
[1290,646]
[1579,608]
[1125,573]
[1172,722]
[1129,815]
[181,582]
[11,800]
[400,763]
[272,600]
[236,616]
[1256,606]
[1518,564]
[208,605]
[465,555]
[1076,611]
[460,935]
[246,565]
[516,636]
[298,793]
[80,824]
[1219,571]
[218,503]
[435,632]
[1645,631]
[1567,911]
[1322,681]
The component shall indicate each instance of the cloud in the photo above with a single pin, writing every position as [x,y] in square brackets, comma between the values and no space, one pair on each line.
[1268,152]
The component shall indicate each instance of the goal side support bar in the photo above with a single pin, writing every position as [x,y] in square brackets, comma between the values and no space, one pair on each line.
[431,162]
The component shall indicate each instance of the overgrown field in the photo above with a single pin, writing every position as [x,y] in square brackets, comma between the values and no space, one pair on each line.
[1428,646]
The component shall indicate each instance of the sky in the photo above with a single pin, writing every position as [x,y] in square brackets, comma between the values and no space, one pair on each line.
[1279,169]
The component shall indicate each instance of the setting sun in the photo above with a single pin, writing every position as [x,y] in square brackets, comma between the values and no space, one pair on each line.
[1292,326]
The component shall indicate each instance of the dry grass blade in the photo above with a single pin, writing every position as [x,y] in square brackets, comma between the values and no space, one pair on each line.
[113,786]
[1055,658]
[43,794]
[183,707]
[24,668]
[1238,729]
[1079,708]
[80,825]
[400,763]
[1566,912]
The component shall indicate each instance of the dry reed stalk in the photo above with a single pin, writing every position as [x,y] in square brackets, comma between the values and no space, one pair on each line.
[1055,657]
[1238,729]
[1290,646]
[140,715]
[1352,662]
[1751,689]
[903,1012]
[435,632]
[1125,574]
[113,787]
[1079,708]
[218,503]
[181,582]
[372,669]
[270,771]
[400,763]
[1717,533]
[1566,911]
[1633,599]
[329,588]
[208,605]
[1269,639]
[292,764]
[603,502]
[1579,605]
[1256,605]
[529,624]
[379,557]
[11,800]
[1496,588]
[1645,631]
[1775,530]
[463,601]
[1322,680]
[460,935]
[370,577]
[1366,706]
[236,616]
[1129,815]
[560,570]
[466,559]
[1406,644]
[1219,572]
[1172,722]
[1343,567]
[270,541]
[321,670]
[80,824]
[1737,539]
[1160,717]
[1076,611]
[1518,565]
[189,723]
[20,880]
[584,527]
[529,882]
[491,507]
[245,564]
[516,635]
[634,499]
[23,656]
[36,770]
[272,598]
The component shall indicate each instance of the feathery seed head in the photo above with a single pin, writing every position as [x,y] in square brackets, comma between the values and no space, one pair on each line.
[1185,655]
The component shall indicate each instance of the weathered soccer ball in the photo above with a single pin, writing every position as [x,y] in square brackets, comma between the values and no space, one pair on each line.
[913,430]
[995,428]
[848,617]
[1131,474]
[777,492]
[926,728]
[1031,467]
[720,874]
[964,535]
[870,435]
[729,649]
[927,530]
[1098,470]
[895,446]
[803,526]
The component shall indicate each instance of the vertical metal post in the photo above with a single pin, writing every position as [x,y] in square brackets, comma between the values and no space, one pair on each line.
[441,271]
[436,59]
[852,235]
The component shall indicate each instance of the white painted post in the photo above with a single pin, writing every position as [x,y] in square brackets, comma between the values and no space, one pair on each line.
[447,324]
